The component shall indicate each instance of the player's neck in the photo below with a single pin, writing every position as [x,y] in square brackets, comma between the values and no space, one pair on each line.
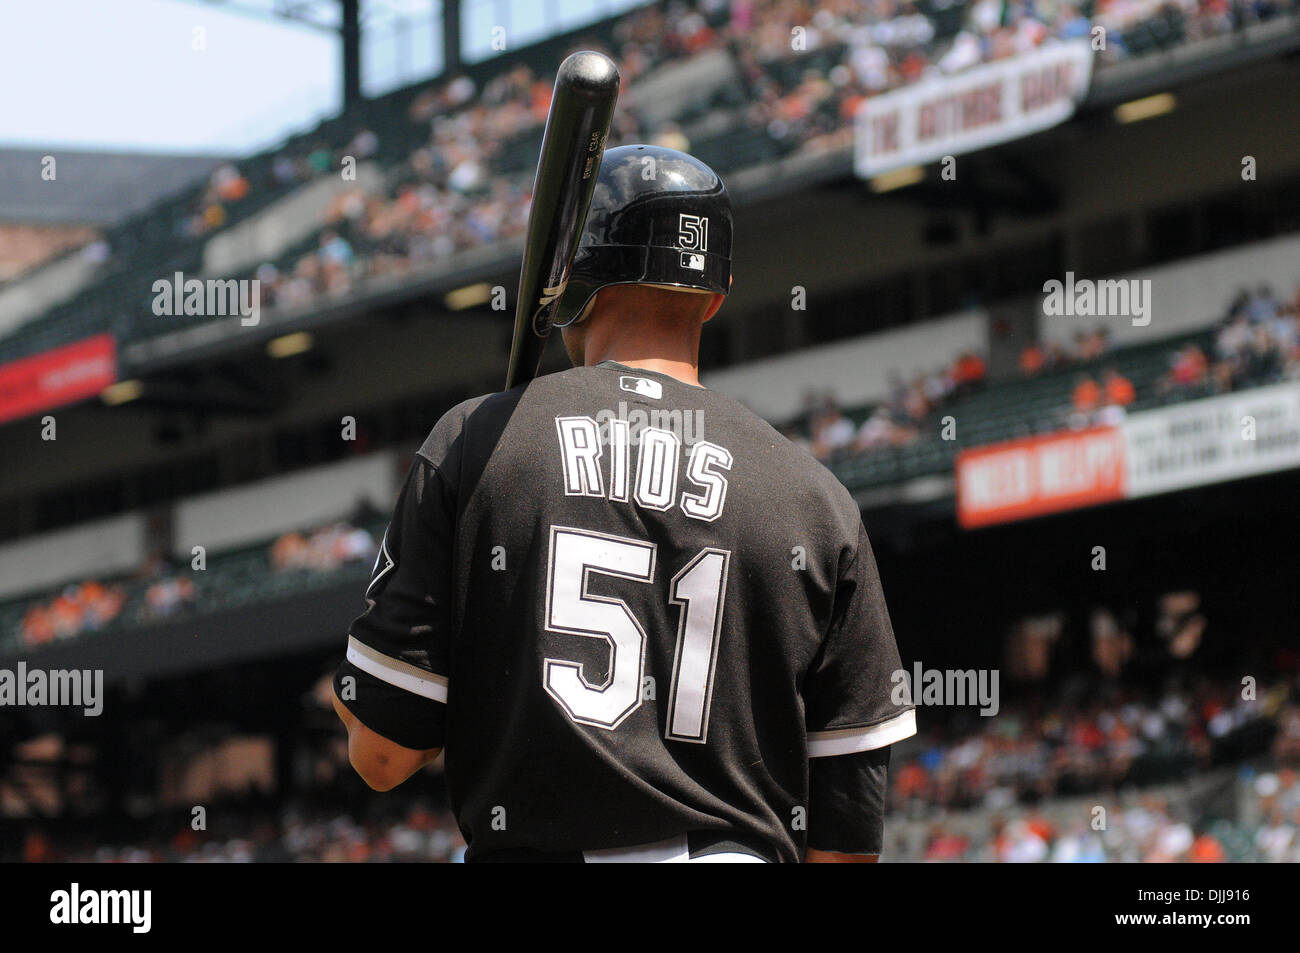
[679,360]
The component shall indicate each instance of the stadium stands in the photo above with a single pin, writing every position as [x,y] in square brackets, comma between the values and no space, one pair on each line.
[466,184]
[1255,343]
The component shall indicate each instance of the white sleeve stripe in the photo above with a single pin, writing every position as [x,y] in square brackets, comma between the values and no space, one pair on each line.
[826,744]
[396,672]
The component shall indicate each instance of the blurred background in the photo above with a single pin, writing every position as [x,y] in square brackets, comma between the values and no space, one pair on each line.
[1101,504]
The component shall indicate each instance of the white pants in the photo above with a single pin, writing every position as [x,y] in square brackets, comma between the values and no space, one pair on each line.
[671,851]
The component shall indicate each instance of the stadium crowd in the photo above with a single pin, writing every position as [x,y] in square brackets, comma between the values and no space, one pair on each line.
[801,70]
[829,434]
[163,588]
[264,834]
[1151,831]
[323,550]
[1059,748]
[1256,343]
[1263,825]
[79,608]
[951,799]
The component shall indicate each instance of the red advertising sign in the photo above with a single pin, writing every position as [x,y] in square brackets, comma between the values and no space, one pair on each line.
[1037,475]
[54,378]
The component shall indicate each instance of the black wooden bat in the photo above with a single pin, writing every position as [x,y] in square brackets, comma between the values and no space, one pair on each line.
[586,88]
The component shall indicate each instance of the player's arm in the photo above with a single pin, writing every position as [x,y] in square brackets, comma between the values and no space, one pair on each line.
[382,764]
[853,718]
[391,688]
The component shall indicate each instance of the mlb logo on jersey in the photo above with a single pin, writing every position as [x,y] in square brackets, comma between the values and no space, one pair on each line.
[643,386]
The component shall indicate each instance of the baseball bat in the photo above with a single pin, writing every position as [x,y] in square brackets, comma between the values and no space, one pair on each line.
[586,88]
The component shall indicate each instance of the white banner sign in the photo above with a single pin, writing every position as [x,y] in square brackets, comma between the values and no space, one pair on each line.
[993,103]
[1212,440]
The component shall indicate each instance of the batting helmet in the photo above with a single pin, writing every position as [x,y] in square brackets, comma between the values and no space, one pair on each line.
[657,217]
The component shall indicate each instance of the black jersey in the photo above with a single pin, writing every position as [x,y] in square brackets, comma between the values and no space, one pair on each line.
[628,609]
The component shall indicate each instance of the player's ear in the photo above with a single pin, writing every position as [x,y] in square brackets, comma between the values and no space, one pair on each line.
[714,305]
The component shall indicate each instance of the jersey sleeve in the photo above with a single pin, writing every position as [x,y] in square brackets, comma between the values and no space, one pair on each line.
[398,649]
[850,704]
[846,802]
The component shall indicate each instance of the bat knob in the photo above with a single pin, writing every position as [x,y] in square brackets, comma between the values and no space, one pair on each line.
[588,72]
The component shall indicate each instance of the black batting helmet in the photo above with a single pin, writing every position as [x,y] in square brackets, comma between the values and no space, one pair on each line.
[657,217]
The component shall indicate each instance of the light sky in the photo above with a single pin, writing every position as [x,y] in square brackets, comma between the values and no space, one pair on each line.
[124,75]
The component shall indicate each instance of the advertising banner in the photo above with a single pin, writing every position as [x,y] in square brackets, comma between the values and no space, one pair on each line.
[971,110]
[1039,475]
[1157,451]
[53,378]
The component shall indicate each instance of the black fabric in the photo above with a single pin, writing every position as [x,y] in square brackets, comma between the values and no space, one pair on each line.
[410,720]
[518,569]
[408,614]
[707,843]
[843,687]
[846,812]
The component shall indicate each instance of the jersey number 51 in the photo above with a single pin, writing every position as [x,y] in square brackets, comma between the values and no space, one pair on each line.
[698,589]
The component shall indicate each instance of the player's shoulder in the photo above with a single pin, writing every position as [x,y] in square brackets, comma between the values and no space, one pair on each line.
[789,462]
[488,414]
[486,411]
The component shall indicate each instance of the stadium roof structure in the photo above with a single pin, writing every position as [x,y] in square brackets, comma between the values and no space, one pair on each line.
[94,188]
[348,19]
[328,15]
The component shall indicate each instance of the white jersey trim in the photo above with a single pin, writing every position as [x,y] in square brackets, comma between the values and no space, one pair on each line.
[396,672]
[827,744]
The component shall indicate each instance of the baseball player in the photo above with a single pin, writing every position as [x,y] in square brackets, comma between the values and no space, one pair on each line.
[642,624]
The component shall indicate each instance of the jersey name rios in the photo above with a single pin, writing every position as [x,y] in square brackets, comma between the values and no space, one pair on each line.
[590,471]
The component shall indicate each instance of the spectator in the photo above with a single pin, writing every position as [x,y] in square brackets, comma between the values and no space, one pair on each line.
[879,430]
[968,373]
[1085,400]
[1187,372]
[167,596]
[1206,850]
[1032,360]
[831,431]
[37,625]
[289,552]
[1119,389]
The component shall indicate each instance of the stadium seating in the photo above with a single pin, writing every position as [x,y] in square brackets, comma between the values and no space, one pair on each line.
[164,239]
[1008,410]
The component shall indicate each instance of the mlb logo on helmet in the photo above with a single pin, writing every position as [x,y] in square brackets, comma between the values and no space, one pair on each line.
[693,261]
